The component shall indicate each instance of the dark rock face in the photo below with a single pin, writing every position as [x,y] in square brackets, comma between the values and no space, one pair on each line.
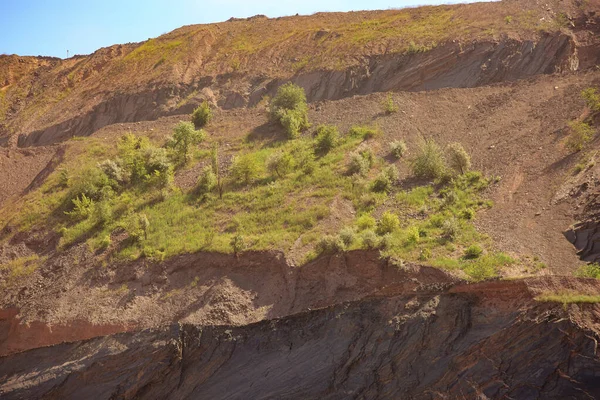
[421,346]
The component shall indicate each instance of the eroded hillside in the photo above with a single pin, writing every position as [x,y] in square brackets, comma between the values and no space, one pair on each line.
[330,250]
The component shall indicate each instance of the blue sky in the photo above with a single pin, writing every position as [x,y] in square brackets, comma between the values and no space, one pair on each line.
[47,27]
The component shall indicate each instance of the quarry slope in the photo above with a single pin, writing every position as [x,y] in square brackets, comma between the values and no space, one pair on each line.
[239,62]
[80,322]
[478,341]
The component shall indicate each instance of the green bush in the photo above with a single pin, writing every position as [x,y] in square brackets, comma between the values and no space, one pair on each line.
[381,183]
[580,134]
[202,115]
[184,136]
[369,239]
[388,223]
[327,138]
[280,163]
[398,148]
[386,179]
[468,214]
[389,107]
[458,158]
[588,271]
[207,181]
[347,236]
[361,162]
[246,169]
[473,251]
[451,228]
[330,244]
[82,208]
[429,162]
[592,99]
[289,108]
[364,132]
[237,244]
[366,222]
[115,170]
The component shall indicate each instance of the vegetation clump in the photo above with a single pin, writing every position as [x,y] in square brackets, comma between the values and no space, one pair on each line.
[361,162]
[580,134]
[289,109]
[202,115]
[430,162]
[184,136]
[592,99]
[458,158]
[326,139]
[398,148]
[389,107]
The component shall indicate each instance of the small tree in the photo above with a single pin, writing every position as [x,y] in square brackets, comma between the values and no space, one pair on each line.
[389,107]
[202,115]
[246,169]
[388,223]
[289,108]
[327,138]
[216,169]
[144,224]
[237,244]
[429,162]
[207,181]
[280,163]
[185,136]
[458,158]
[579,135]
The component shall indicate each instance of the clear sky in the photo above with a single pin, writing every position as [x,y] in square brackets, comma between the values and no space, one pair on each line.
[51,27]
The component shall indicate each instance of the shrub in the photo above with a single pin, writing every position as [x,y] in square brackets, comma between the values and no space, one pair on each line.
[361,162]
[103,214]
[389,107]
[157,168]
[63,177]
[330,244]
[468,214]
[184,136]
[365,222]
[451,228]
[207,181]
[580,134]
[115,170]
[237,244]
[245,169]
[82,208]
[588,271]
[89,183]
[382,183]
[347,236]
[386,179]
[458,158]
[364,132]
[289,108]
[592,98]
[327,138]
[398,148]
[202,115]
[369,239]
[280,163]
[425,254]
[473,251]
[429,162]
[388,223]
